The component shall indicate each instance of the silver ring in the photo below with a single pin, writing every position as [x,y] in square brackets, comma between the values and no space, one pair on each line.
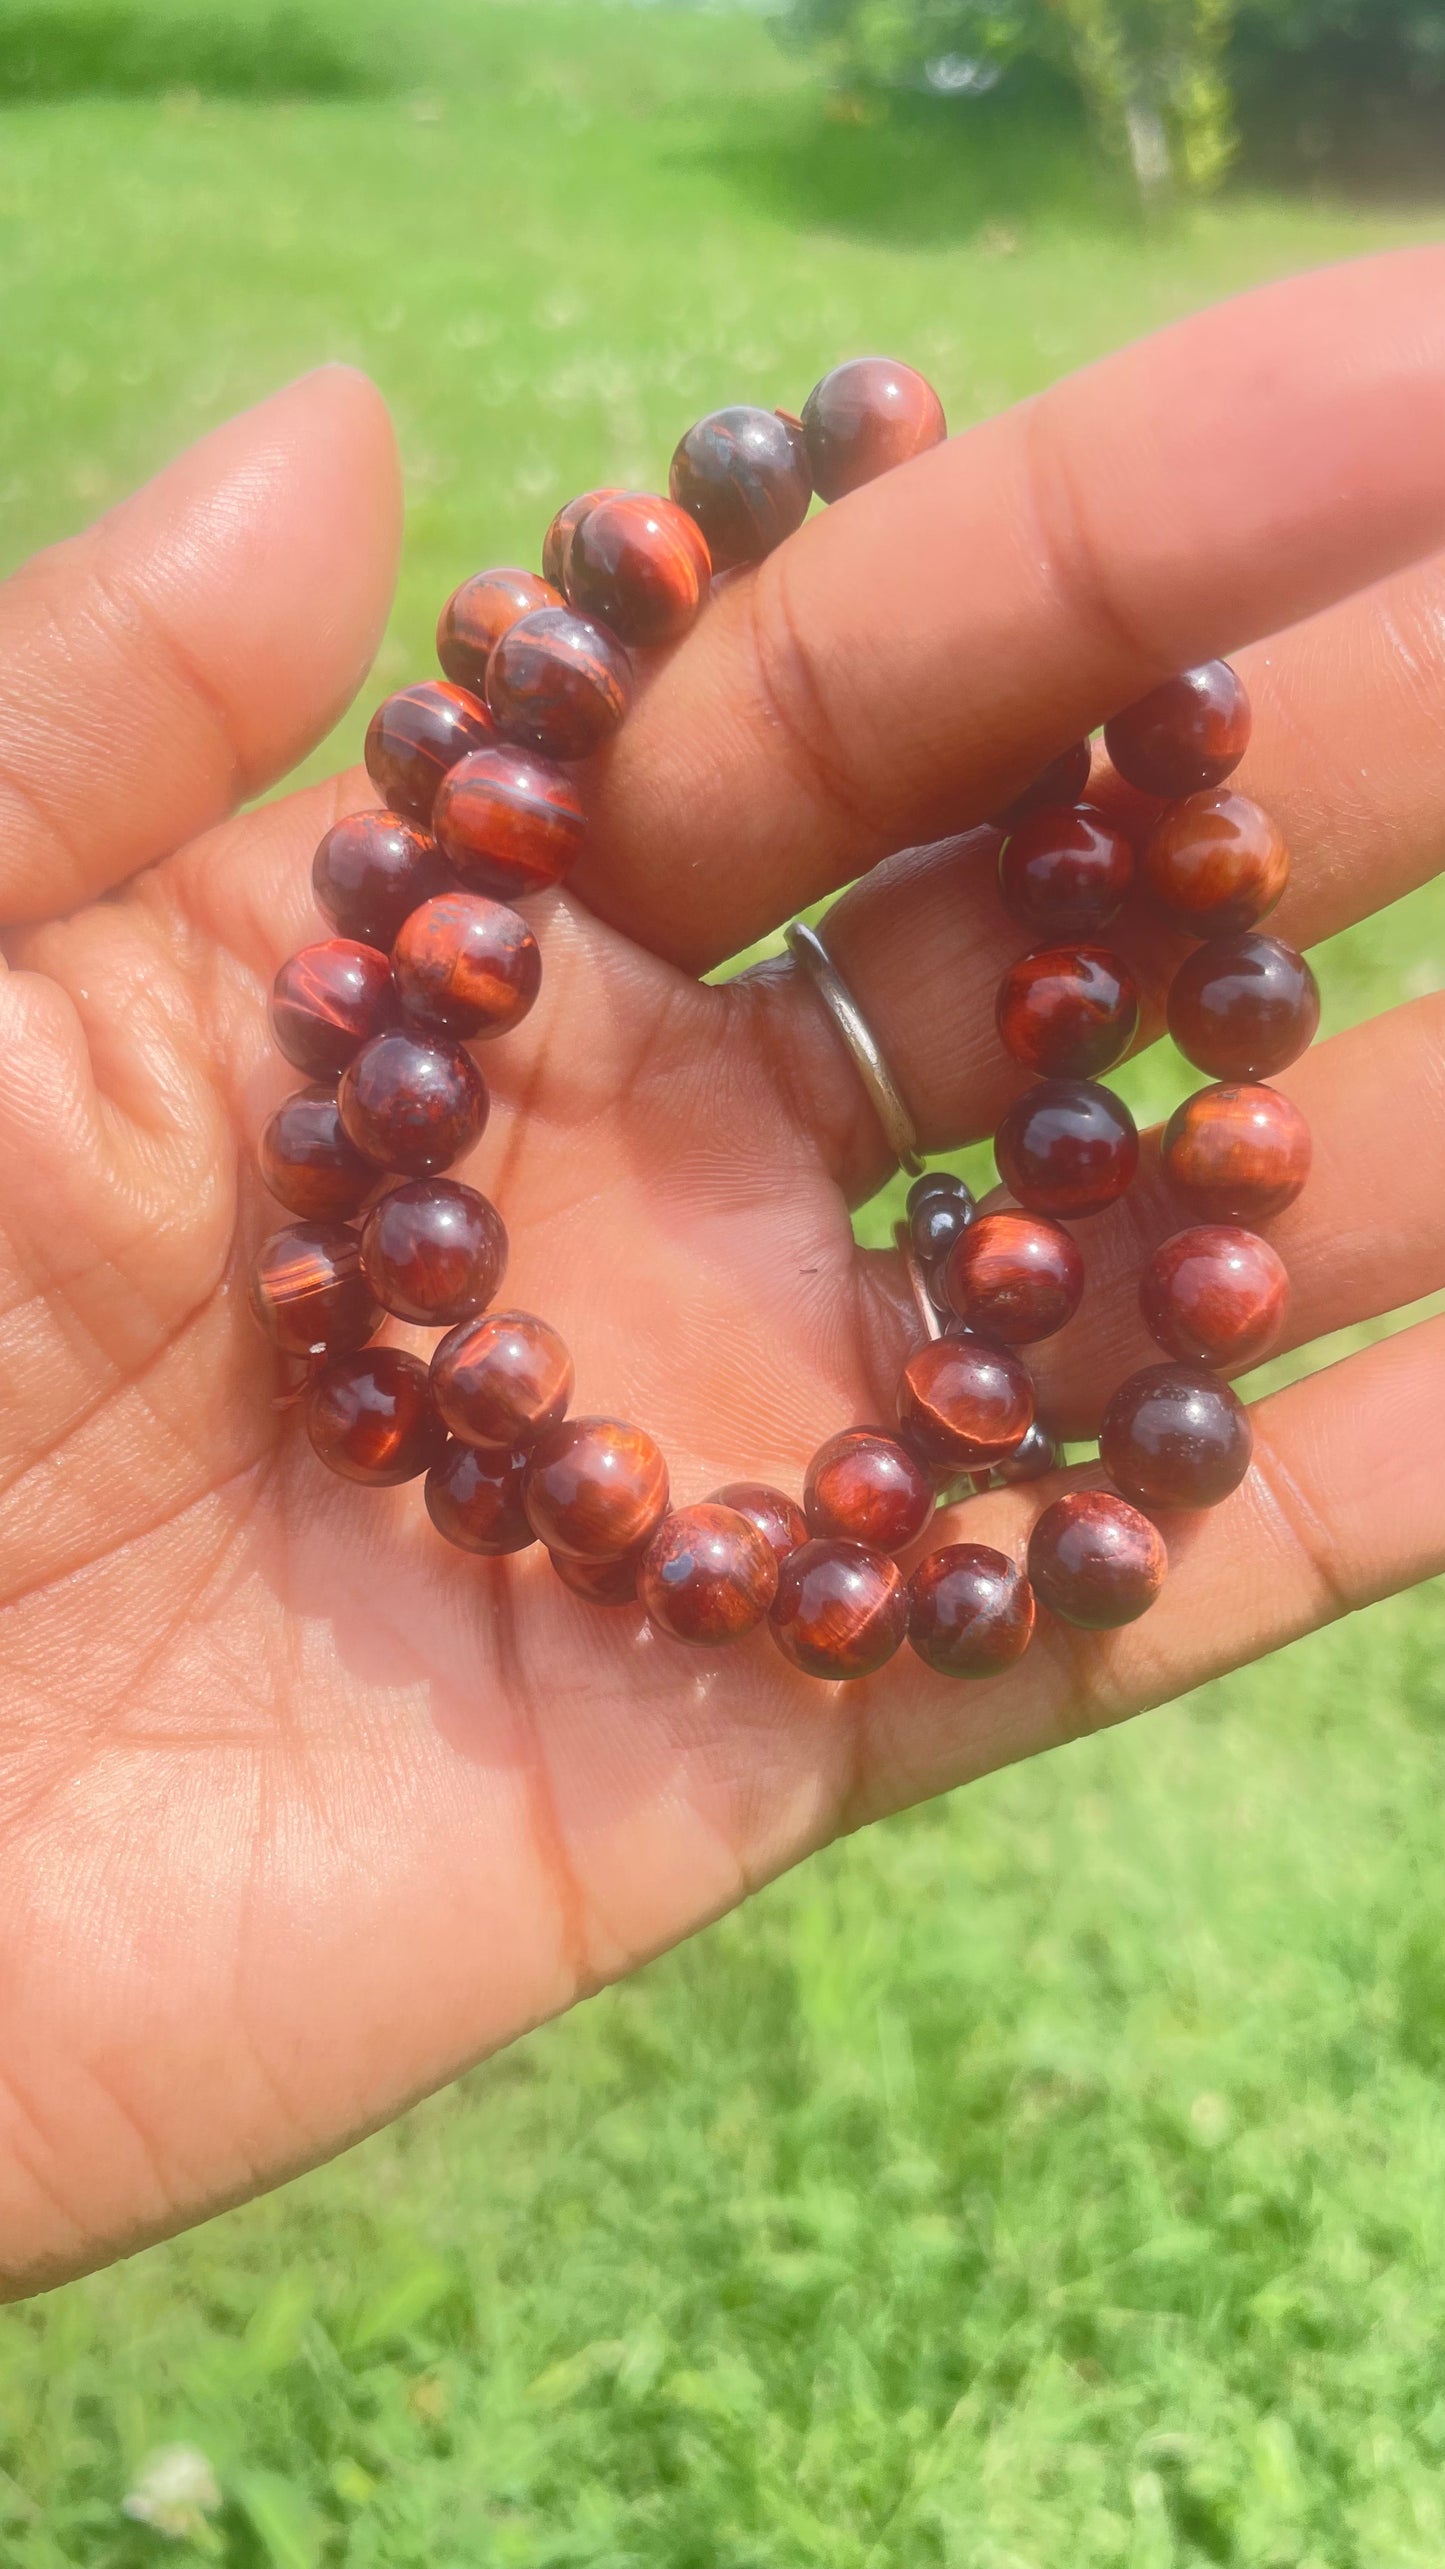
[899,1131]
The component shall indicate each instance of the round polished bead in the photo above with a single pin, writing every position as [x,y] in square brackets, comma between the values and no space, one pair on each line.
[1064,872]
[309,1292]
[434,1252]
[557,542]
[476,616]
[1236,1154]
[1068,1012]
[1216,1295]
[1095,1561]
[508,823]
[327,1001]
[596,1488]
[308,1162]
[1175,1436]
[504,1381]
[558,684]
[1185,736]
[1214,864]
[965,1402]
[707,1576]
[370,1419]
[641,567]
[1067,1147]
[370,872]
[475,1500]
[1065,780]
[1244,1007]
[970,1611]
[778,1518]
[940,1208]
[602,1583]
[864,1487]
[466,964]
[1017,1276]
[863,418]
[413,1102]
[742,474]
[416,736]
[1038,1454]
[841,1610]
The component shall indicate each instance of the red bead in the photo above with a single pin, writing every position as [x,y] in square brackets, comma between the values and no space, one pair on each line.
[413,1102]
[557,542]
[1236,1154]
[308,1162]
[1175,1436]
[940,1208]
[1244,1007]
[1068,1012]
[309,1292]
[370,872]
[742,474]
[434,1252]
[1065,780]
[641,567]
[416,736]
[1037,1455]
[327,1001]
[965,1402]
[369,1417]
[466,964]
[1214,864]
[1018,1276]
[509,824]
[602,1583]
[503,1381]
[707,1576]
[1067,1148]
[1064,873]
[475,1500]
[970,1611]
[778,1519]
[476,616]
[864,1487]
[596,1489]
[1216,1295]
[865,417]
[841,1611]
[1095,1561]
[558,684]
[1184,736]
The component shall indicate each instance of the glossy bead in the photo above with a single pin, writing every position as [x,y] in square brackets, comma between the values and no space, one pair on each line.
[416,735]
[1185,736]
[1017,1276]
[940,1208]
[504,1381]
[1214,864]
[965,1402]
[1244,1007]
[466,964]
[602,1583]
[641,567]
[1065,780]
[1030,1461]
[970,1611]
[1175,1436]
[864,1487]
[475,1500]
[309,1292]
[434,1252]
[863,418]
[596,1488]
[327,1001]
[1236,1154]
[1216,1295]
[1095,1561]
[742,474]
[841,1611]
[370,872]
[1064,873]
[509,823]
[557,542]
[1068,1012]
[1067,1148]
[476,616]
[778,1518]
[413,1102]
[369,1417]
[558,684]
[707,1576]
[308,1162]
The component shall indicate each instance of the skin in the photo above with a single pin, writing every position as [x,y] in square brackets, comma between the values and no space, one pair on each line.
[299,1811]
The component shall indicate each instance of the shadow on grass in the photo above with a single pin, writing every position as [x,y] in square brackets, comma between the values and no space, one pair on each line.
[80,52]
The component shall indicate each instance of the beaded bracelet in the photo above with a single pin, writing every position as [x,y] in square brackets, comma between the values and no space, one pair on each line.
[429,956]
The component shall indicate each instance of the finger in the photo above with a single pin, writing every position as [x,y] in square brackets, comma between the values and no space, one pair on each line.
[189,648]
[908,659]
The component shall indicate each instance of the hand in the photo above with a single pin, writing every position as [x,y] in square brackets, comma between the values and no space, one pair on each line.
[303,1811]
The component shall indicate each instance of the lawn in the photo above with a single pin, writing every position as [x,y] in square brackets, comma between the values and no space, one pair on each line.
[1056,2178]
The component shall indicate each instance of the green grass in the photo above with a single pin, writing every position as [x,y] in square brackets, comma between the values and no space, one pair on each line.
[1055,2179]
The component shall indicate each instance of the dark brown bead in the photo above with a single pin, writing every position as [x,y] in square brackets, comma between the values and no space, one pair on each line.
[778,1518]
[509,823]
[503,1381]
[1216,1295]
[1037,1455]
[1244,1007]
[308,1162]
[940,1207]
[1236,1154]
[841,1611]
[1065,780]
[707,1576]
[602,1583]
[413,1102]
[865,417]
[475,1500]
[476,616]
[1068,1012]
[370,872]
[434,1252]
[1067,1147]
[596,1488]
[309,1292]
[1185,736]
[558,684]
[965,1402]
[1017,1276]
[370,1419]
[327,1001]
[970,1611]
[557,542]
[1064,873]
[742,474]
[416,736]
[1214,864]
[864,1487]
[641,567]
[466,964]
[1175,1436]
[1095,1561]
